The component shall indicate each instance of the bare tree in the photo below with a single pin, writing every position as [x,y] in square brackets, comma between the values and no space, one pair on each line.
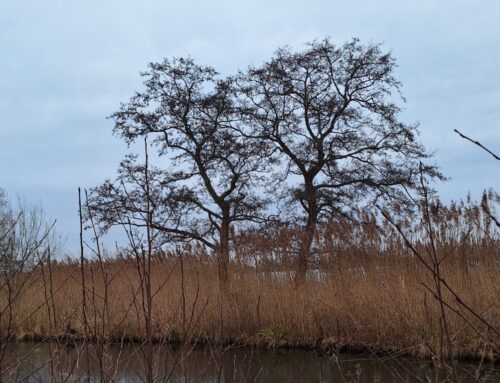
[331,114]
[209,174]
[27,242]
[24,235]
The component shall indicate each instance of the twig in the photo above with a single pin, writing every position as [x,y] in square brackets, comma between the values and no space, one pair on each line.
[478,144]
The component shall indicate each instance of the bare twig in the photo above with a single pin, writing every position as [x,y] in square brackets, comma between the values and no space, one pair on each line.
[478,144]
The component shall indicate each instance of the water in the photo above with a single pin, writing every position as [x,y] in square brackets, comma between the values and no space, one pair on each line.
[51,362]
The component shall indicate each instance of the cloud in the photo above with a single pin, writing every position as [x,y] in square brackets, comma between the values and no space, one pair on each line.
[66,65]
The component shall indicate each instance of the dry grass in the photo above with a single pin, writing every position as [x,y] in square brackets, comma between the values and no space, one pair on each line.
[380,304]
[368,295]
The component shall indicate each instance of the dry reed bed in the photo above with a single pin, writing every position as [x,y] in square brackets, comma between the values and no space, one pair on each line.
[376,303]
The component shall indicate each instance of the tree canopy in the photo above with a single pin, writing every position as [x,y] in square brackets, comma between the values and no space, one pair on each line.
[320,127]
[208,183]
[332,113]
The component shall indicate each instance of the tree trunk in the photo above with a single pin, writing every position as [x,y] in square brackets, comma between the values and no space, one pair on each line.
[308,234]
[223,251]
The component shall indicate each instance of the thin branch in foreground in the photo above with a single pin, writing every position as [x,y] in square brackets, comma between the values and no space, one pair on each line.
[478,144]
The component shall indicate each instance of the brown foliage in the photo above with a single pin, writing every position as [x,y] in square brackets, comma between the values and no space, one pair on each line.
[366,291]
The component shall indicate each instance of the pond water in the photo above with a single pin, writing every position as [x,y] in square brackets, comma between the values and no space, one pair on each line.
[51,362]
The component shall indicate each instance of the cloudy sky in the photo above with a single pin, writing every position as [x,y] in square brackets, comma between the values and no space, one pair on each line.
[66,65]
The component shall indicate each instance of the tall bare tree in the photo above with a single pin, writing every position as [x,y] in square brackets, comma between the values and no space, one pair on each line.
[332,114]
[206,183]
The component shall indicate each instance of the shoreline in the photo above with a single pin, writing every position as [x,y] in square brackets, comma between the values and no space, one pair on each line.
[326,347]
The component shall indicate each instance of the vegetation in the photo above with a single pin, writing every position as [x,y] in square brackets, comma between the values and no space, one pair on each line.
[27,243]
[368,291]
[293,209]
[232,146]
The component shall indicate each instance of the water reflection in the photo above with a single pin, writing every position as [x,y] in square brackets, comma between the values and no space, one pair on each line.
[51,362]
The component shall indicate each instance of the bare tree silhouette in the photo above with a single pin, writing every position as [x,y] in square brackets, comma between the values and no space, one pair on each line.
[331,114]
[207,183]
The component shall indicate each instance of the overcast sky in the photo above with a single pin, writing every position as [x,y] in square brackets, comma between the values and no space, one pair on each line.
[66,65]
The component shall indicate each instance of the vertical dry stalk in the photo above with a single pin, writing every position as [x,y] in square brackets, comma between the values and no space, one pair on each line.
[84,289]
[101,330]
[437,278]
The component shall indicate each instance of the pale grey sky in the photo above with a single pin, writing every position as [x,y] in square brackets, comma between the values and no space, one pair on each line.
[66,65]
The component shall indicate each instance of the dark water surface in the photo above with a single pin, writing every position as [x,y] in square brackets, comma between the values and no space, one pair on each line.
[51,362]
